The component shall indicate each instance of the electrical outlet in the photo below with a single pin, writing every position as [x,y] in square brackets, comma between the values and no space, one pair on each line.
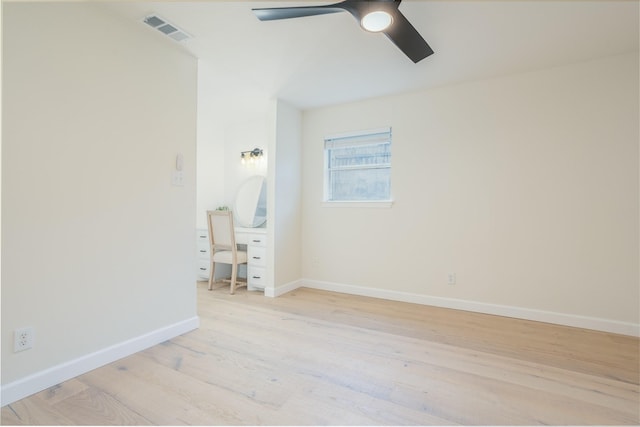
[23,339]
[451,278]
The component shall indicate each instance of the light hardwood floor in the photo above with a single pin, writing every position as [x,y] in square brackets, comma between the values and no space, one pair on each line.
[320,358]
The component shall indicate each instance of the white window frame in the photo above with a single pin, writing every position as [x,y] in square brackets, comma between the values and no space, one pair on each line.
[365,137]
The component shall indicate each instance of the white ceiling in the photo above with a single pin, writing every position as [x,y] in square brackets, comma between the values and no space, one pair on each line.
[324,60]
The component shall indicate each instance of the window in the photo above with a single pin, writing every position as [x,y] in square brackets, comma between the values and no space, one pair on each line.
[358,167]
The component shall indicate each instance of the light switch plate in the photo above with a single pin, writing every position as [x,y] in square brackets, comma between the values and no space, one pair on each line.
[177,178]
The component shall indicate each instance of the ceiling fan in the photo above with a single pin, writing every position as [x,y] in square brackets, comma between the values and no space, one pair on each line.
[373,15]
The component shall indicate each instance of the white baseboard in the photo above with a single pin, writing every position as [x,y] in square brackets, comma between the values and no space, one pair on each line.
[42,380]
[585,322]
[282,289]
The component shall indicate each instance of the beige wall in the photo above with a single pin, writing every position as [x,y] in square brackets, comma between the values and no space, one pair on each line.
[98,247]
[210,147]
[247,133]
[525,186]
[286,195]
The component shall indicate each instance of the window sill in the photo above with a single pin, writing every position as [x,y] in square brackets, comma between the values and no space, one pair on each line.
[358,204]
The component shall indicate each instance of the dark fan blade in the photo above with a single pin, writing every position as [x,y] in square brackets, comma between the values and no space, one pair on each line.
[407,38]
[401,32]
[270,14]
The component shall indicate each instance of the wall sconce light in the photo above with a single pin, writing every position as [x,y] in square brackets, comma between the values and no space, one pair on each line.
[251,156]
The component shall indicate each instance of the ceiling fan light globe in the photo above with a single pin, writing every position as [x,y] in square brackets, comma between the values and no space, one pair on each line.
[376,21]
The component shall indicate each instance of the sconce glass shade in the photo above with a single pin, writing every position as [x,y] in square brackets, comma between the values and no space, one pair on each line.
[251,156]
[376,21]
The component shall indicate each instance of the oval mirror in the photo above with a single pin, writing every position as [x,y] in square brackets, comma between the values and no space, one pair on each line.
[250,207]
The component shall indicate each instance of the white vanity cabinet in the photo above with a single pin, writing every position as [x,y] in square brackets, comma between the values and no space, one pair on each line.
[203,261]
[256,241]
[257,261]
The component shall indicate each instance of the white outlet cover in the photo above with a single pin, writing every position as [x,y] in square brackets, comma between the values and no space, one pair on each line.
[23,339]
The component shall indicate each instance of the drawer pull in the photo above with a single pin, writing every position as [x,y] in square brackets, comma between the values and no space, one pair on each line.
[256,241]
[256,277]
[256,257]
[203,251]
[202,268]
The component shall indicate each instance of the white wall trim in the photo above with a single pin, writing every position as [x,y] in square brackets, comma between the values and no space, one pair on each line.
[42,380]
[598,324]
[282,289]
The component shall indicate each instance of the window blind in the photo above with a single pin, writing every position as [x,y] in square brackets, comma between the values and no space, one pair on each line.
[377,136]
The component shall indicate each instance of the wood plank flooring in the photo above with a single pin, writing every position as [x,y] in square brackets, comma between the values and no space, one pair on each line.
[320,358]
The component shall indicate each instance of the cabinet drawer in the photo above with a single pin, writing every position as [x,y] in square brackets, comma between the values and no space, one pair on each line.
[202,235]
[257,240]
[203,270]
[203,251]
[257,256]
[256,276]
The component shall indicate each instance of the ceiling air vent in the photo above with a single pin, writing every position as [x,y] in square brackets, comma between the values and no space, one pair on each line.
[166,28]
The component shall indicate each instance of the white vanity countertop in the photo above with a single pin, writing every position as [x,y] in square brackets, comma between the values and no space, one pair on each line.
[257,230]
